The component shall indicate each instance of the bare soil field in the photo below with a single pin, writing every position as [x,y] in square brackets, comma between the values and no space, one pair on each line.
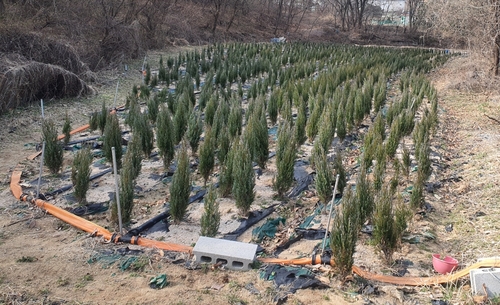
[45,261]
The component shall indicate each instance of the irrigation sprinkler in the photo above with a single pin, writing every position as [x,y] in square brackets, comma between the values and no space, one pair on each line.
[330,214]
[117,195]
[41,170]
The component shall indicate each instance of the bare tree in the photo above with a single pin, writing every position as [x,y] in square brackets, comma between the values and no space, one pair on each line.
[415,9]
[471,23]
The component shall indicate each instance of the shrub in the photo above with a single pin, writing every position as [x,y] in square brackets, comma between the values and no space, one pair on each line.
[339,169]
[153,109]
[344,234]
[341,122]
[378,175]
[210,219]
[53,155]
[223,143]
[327,131]
[226,173]
[165,136]
[235,119]
[272,106]
[364,197]
[180,121]
[195,128]
[126,195]
[143,128]
[133,155]
[256,137]
[66,129]
[243,178]
[324,178]
[207,155]
[180,187]
[300,124]
[80,174]
[406,160]
[134,112]
[210,110]
[103,115]
[389,223]
[285,159]
[417,193]
[94,121]
[113,138]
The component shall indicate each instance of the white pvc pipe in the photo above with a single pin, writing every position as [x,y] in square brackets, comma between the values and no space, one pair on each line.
[41,105]
[117,191]
[116,92]
[330,214]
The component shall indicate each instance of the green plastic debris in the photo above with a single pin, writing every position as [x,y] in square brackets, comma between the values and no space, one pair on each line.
[268,229]
[159,281]
[126,264]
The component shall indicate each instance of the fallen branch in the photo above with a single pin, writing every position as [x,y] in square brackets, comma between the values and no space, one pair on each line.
[496,120]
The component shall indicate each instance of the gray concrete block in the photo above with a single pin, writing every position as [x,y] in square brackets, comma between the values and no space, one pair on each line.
[233,255]
[490,277]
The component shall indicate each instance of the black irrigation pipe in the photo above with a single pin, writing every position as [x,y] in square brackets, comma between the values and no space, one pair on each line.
[164,215]
[68,187]
[254,218]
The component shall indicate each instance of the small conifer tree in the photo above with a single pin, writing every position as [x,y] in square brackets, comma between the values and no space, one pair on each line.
[300,124]
[133,155]
[165,136]
[67,129]
[339,169]
[324,178]
[113,138]
[180,187]
[53,156]
[210,219]
[80,174]
[103,115]
[143,128]
[180,122]
[224,143]
[285,159]
[94,121]
[389,223]
[243,179]
[195,128]
[344,234]
[207,155]
[226,173]
[364,197]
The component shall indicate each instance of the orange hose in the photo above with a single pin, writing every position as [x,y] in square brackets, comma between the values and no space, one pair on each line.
[85,225]
[406,281]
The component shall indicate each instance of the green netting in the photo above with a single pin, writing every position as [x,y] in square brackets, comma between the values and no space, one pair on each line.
[268,229]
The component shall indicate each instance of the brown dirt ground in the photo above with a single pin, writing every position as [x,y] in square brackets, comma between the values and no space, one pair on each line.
[44,261]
